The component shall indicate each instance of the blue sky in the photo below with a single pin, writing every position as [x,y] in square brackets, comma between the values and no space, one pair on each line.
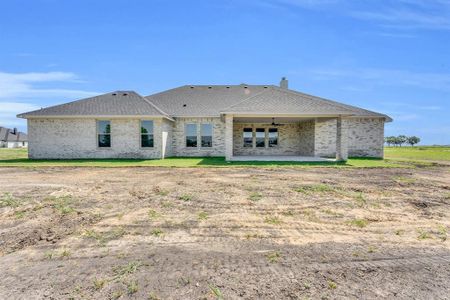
[388,56]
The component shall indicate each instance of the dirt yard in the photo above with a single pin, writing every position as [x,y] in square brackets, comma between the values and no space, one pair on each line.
[225,233]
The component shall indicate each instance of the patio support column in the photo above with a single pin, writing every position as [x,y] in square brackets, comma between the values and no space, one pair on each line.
[341,140]
[228,137]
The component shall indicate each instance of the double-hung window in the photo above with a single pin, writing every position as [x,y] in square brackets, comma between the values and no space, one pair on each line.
[191,135]
[104,134]
[147,140]
[206,135]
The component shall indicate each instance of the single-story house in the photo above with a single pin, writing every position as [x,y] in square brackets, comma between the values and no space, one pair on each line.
[240,122]
[12,138]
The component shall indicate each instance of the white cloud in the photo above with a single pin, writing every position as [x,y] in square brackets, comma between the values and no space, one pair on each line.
[22,85]
[16,107]
[406,19]
[392,77]
[393,14]
[403,105]
[308,3]
[9,110]
[404,116]
[19,93]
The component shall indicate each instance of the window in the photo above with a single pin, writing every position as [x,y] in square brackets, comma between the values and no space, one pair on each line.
[147,134]
[206,134]
[273,137]
[248,137]
[260,137]
[104,134]
[191,135]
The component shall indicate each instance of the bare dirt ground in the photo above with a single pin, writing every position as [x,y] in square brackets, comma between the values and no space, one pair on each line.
[225,233]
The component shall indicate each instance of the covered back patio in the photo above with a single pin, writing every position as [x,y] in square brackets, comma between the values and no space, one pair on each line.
[285,138]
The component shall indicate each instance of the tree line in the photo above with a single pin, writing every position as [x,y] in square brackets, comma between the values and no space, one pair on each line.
[401,139]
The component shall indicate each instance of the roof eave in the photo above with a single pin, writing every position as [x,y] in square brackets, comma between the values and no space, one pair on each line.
[265,114]
[25,116]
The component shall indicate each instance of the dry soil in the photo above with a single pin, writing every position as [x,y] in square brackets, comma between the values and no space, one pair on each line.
[224,233]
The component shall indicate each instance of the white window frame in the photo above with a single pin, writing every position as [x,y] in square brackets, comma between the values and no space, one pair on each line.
[98,133]
[201,135]
[185,135]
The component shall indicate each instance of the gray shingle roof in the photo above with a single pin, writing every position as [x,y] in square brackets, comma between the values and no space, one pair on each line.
[22,137]
[3,133]
[203,100]
[119,103]
[283,101]
[7,135]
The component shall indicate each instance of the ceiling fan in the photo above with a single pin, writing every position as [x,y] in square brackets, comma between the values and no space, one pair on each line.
[276,124]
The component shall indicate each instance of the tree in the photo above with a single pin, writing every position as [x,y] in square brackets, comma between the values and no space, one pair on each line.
[390,140]
[401,139]
[412,140]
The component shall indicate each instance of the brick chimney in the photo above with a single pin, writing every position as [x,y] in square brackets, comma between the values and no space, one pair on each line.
[284,83]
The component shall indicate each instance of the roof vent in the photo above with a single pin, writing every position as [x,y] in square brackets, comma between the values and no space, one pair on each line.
[265,87]
[228,87]
[114,94]
[209,87]
[192,87]
[124,94]
[184,105]
[245,87]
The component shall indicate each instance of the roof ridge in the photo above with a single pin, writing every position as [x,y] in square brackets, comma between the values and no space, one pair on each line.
[251,97]
[156,107]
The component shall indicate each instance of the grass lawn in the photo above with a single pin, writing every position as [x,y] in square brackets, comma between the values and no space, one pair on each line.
[18,158]
[418,153]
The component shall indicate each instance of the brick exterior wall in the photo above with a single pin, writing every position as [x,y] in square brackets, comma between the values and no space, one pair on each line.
[179,139]
[77,138]
[306,137]
[325,138]
[365,137]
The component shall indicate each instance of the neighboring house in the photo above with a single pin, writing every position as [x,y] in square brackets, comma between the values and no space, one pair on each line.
[236,121]
[12,138]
